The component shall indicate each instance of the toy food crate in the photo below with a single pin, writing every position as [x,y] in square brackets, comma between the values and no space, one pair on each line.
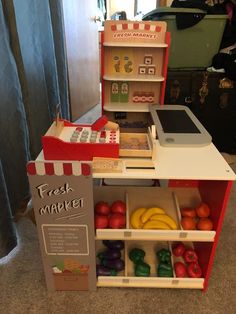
[168,199]
[70,281]
[192,47]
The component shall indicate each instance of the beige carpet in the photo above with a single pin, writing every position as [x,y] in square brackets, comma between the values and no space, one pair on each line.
[23,287]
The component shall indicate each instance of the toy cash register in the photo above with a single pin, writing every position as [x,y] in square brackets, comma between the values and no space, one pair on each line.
[68,141]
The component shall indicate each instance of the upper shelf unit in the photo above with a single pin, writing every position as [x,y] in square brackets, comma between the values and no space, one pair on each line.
[134,63]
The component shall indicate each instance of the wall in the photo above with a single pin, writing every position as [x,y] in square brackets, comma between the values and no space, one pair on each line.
[121,5]
[128,6]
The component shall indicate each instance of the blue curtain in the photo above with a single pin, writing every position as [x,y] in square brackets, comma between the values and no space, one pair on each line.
[33,80]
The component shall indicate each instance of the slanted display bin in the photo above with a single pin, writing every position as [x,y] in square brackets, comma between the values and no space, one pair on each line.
[195,46]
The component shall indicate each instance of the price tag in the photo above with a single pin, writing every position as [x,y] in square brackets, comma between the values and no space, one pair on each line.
[183,235]
[175,282]
[127,234]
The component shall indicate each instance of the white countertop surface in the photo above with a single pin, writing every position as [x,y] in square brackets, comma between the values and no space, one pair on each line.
[183,163]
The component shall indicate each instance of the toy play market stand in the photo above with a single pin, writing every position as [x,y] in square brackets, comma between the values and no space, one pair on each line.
[64,196]
[64,178]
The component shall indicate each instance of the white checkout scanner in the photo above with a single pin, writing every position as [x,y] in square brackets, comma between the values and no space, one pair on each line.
[177,126]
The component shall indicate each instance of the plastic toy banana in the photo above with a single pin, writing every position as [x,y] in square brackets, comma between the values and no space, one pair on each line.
[150,212]
[156,224]
[135,218]
[166,219]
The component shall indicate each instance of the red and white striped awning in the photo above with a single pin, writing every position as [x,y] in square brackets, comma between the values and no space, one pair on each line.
[136,26]
[58,168]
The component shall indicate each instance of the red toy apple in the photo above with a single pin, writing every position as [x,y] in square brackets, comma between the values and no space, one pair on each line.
[102,208]
[101,221]
[118,207]
[117,221]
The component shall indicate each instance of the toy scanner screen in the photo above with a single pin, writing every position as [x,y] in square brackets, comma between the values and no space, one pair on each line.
[176,121]
[177,126]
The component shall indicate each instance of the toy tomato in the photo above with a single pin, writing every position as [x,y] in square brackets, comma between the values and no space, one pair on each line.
[188,223]
[178,249]
[190,256]
[205,224]
[188,212]
[194,270]
[180,269]
[203,210]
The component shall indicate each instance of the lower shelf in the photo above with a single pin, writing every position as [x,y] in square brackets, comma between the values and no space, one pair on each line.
[150,282]
[126,278]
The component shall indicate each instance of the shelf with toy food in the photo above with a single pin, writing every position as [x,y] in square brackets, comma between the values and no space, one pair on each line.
[190,259]
[152,213]
[131,96]
[150,264]
[130,90]
[134,63]
[152,209]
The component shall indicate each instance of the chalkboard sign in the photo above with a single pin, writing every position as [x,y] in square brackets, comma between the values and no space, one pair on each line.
[62,195]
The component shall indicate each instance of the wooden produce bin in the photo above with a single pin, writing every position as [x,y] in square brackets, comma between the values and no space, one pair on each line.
[151,248]
[71,282]
[165,198]
[109,194]
[129,280]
